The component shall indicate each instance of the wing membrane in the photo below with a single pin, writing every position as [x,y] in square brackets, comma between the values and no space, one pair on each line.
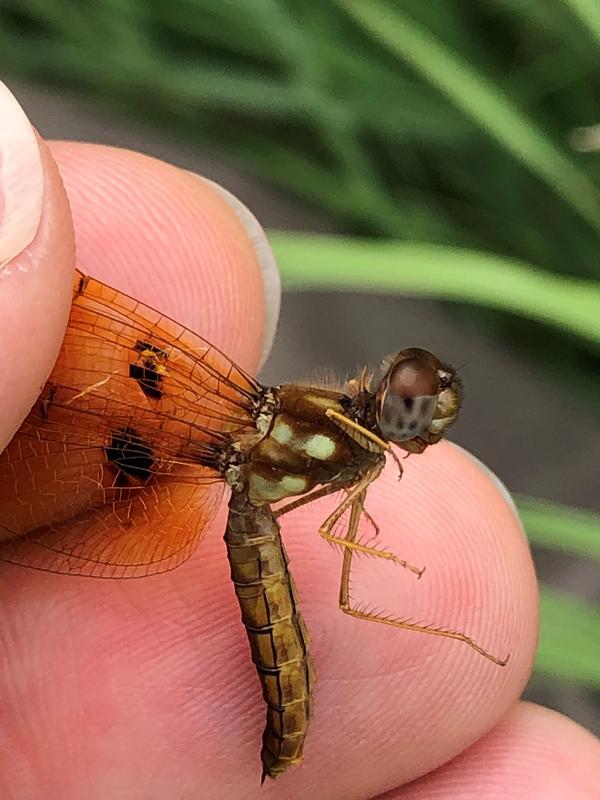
[112,474]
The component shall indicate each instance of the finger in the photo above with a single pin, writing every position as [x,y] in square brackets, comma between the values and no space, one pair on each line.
[532,753]
[185,246]
[143,637]
[176,242]
[389,705]
[405,702]
[397,702]
[36,264]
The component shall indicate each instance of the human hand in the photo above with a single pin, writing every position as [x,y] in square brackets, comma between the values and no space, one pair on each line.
[145,689]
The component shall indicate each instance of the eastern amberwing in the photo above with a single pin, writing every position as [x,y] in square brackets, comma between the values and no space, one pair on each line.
[122,463]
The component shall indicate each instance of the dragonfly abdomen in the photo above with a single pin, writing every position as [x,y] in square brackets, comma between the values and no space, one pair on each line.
[276,631]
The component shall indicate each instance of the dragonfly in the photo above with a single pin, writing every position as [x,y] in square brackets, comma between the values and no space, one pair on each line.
[123,461]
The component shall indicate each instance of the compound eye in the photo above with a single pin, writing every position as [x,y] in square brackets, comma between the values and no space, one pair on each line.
[407,398]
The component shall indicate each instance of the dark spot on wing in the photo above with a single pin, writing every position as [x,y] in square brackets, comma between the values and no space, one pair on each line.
[146,369]
[130,454]
[143,347]
[148,378]
[408,403]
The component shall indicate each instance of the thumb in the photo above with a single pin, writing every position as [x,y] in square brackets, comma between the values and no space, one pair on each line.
[37,256]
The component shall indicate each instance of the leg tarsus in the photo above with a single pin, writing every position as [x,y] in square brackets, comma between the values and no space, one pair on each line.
[371,551]
[355,500]
[413,626]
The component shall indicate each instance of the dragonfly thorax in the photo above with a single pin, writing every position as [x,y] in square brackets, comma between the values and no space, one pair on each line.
[301,448]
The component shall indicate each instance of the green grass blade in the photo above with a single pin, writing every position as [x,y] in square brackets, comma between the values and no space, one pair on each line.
[481,101]
[588,12]
[557,527]
[569,646]
[311,261]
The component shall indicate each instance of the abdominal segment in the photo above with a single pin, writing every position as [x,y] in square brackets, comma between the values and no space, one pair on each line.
[276,631]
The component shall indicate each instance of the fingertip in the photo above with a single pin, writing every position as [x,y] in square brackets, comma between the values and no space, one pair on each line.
[460,522]
[266,261]
[158,233]
[37,253]
[448,515]
[22,178]
[532,752]
[501,489]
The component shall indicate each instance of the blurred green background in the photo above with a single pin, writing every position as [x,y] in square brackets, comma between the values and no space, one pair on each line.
[434,171]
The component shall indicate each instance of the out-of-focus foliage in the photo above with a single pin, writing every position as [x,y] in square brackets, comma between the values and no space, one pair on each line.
[455,123]
[461,129]
[569,639]
[312,261]
[441,122]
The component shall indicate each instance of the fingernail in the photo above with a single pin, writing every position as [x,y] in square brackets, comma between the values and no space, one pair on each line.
[21,179]
[266,260]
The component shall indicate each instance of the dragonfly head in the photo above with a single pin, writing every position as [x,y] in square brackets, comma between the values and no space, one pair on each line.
[417,399]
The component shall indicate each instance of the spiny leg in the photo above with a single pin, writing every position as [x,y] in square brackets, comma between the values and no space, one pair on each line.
[366,515]
[368,440]
[355,500]
[344,597]
[355,514]
[323,491]
[349,544]
[315,494]
[413,626]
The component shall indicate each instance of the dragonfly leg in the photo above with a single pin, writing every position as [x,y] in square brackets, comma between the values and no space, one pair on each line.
[344,598]
[385,619]
[413,626]
[355,499]
[398,462]
[362,436]
[323,491]
[367,516]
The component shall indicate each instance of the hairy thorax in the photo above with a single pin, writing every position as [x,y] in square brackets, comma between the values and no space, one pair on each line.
[302,447]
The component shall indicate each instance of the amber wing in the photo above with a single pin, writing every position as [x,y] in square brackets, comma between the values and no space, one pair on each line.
[109,475]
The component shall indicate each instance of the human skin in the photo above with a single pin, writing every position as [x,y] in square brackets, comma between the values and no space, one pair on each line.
[145,689]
